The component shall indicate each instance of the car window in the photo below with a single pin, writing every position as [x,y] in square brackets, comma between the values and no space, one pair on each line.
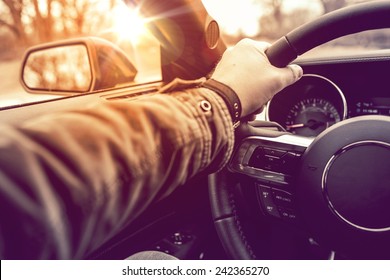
[268,20]
[31,22]
[27,23]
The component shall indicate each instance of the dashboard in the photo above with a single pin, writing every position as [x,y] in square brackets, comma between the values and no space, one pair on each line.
[333,89]
[304,181]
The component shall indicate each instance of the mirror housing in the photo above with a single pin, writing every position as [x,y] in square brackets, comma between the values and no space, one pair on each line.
[75,66]
[190,39]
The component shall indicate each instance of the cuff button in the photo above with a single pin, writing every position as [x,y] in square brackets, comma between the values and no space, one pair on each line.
[205,106]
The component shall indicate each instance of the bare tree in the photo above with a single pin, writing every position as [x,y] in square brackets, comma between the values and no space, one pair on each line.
[278,20]
[272,21]
[26,19]
[276,6]
[43,20]
[11,18]
[331,5]
[37,21]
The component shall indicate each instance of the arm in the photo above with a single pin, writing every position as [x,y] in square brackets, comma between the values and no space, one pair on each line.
[70,181]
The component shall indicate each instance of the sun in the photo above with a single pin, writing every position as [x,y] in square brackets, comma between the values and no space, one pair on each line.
[129,24]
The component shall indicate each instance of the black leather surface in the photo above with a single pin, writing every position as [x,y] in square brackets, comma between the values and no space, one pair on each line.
[225,216]
[349,20]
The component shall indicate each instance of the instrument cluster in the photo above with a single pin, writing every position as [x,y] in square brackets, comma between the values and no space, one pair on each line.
[309,106]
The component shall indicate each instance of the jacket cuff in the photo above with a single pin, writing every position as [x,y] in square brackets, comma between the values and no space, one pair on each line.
[213,117]
[229,96]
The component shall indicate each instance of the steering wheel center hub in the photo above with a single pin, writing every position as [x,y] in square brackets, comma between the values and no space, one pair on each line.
[343,189]
[356,185]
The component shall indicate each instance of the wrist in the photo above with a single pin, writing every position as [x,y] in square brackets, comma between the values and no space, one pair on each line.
[229,96]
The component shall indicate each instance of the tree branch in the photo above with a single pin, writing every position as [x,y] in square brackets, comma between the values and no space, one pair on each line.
[12,28]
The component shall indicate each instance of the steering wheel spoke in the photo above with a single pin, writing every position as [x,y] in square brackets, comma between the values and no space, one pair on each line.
[269,158]
[272,164]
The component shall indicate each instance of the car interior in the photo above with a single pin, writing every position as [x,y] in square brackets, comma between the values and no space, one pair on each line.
[309,178]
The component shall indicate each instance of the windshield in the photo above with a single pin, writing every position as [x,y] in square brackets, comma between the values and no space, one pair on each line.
[30,22]
[268,20]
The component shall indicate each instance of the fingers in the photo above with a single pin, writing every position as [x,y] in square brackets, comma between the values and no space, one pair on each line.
[289,75]
[261,46]
[253,115]
[246,69]
[296,71]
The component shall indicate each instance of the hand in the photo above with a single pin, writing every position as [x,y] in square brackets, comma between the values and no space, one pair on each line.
[246,69]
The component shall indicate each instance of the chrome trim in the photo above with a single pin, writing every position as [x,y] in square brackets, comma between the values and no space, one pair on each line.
[288,139]
[342,96]
[324,182]
[332,256]
[240,160]
[260,173]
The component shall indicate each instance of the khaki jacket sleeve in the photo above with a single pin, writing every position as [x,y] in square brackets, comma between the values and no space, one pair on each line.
[70,181]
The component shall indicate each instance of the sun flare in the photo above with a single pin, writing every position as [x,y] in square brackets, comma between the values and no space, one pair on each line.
[129,24]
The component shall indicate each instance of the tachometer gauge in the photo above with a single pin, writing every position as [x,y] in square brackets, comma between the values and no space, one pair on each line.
[311,116]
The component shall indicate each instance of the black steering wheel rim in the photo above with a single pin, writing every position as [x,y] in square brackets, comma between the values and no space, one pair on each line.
[345,21]
[223,188]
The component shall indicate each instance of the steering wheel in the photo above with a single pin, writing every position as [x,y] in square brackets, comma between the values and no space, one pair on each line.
[336,187]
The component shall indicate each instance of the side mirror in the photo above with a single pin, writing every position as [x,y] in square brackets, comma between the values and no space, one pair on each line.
[76,66]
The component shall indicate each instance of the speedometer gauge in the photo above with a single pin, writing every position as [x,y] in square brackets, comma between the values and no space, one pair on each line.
[311,116]
[309,106]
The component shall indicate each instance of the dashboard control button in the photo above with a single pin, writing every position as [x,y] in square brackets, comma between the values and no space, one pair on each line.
[179,238]
[265,193]
[274,160]
[257,159]
[263,161]
[267,202]
[282,198]
[271,209]
[274,152]
[271,163]
[289,162]
[287,214]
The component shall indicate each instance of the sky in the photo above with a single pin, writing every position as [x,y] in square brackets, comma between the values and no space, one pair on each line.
[243,15]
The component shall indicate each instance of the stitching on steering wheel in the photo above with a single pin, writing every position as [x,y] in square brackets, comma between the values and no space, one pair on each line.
[239,227]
